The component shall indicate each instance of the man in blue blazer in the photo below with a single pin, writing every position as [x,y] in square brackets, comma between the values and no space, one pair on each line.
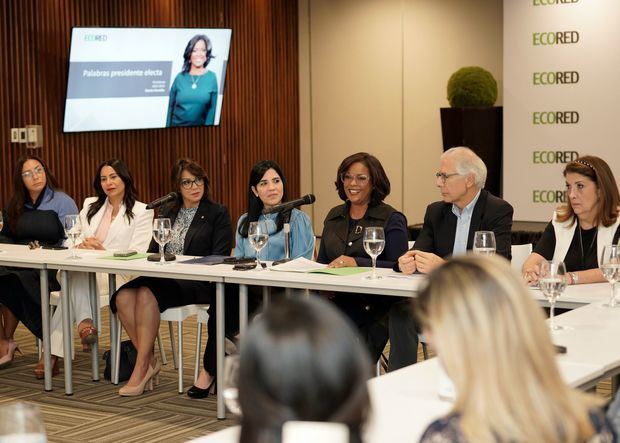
[449,227]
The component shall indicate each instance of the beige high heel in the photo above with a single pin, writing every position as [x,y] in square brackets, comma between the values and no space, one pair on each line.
[7,359]
[156,370]
[145,385]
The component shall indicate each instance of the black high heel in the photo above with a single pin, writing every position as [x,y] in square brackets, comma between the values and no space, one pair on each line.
[196,392]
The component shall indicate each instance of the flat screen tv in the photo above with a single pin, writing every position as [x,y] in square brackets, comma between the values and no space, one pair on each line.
[137,78]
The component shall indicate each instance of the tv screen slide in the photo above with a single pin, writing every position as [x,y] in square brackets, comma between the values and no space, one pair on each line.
[137,78]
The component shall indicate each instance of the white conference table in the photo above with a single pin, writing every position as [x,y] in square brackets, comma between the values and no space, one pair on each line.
[575,296]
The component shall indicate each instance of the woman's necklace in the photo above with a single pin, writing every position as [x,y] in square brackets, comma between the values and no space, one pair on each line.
[195,80]
[584,253]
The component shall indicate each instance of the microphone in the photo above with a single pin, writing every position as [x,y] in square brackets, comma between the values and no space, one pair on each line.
[305,200]
[161,200]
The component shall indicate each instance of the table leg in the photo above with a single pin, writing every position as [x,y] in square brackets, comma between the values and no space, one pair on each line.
[66,331]
[243,310]
[45,320]
[219,337]
[113,331]
[94,305]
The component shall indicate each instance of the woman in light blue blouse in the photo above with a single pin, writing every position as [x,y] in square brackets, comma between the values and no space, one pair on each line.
[266,188]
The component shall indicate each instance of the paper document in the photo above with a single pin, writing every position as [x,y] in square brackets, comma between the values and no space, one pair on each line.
[131,257]
[341,271]
[300,264]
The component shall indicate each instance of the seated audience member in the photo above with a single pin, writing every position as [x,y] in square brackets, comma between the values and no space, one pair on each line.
[362,184]
[301,360]
[450,224]
[582,226]
[492,340]
[266,188]
[35,212]
[113,220]
[200,227]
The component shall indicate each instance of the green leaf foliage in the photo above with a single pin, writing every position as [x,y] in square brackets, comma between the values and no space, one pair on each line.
[472,86]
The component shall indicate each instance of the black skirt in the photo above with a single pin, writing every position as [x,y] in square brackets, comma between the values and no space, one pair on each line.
[171,293]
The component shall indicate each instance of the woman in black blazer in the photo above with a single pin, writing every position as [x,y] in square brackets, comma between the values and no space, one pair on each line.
[200,227]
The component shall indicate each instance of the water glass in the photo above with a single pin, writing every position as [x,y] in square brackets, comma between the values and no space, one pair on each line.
[73,231]
[162,234]
[374,243]
[610,266]
[484,242]
[258,236]
[21,422]
[230,383]
[1,225]
[552,283]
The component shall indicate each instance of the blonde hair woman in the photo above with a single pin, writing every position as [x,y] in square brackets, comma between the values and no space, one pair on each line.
[493,343]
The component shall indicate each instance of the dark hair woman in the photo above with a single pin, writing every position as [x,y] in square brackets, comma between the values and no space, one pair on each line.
[266,188]
[193,94]
[36,211]
[200,227]
[301,360]
[362,183]
[113,220]
[583,225]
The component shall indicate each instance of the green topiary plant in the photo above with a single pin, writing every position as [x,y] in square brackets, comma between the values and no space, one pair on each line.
[470,87]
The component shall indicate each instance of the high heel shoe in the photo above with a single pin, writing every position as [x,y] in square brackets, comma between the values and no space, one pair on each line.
[7,359]
[156,370]
[39,369]
[145,385]
[196,392]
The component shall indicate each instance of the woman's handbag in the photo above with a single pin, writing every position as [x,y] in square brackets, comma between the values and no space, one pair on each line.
[128,356]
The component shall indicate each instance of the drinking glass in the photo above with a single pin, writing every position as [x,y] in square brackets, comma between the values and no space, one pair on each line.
[21,422]
[552,283]
[610,266]
[230,381]
[374,242]
[484,242]
[162,234]
[258,236]
[73,231]
[1,225]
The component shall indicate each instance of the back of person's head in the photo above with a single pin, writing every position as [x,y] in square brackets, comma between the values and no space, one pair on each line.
[597,170]
[301,360]
[466,162]
[493,342]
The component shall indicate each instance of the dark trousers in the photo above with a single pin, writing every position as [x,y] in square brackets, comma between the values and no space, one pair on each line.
[16,299]
[403,335]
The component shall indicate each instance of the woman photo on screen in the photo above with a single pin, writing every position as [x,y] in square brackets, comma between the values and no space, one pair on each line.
[193,94]
[35,212]
[266,189]
[112,220]
[581,227]
[200,227]
[492,341]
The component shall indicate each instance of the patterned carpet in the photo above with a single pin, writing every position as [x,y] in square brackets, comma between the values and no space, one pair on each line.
[96,413]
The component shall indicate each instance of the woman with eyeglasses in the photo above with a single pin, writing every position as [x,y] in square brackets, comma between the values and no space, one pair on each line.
[362,184]
[583,225]
[266,189]
[200,227]
[193,94]
[35,212]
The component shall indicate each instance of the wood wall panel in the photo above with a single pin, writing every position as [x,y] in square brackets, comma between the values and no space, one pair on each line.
[260,115]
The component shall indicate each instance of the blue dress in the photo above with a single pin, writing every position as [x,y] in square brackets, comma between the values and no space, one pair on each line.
[301,238]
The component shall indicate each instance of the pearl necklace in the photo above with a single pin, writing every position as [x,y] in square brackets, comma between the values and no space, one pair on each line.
[194,81]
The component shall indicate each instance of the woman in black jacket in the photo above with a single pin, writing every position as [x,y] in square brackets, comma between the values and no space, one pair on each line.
[199,227]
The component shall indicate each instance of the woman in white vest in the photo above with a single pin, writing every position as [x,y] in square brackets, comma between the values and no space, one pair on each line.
[582,226]
[113,220]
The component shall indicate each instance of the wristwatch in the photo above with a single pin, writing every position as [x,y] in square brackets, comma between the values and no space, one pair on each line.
[574,277]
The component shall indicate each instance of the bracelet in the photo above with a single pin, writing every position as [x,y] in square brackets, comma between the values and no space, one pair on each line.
[574,277]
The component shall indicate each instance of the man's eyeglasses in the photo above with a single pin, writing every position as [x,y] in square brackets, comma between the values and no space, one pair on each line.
[444,177]
[187,183]
[359,178]
[38,171]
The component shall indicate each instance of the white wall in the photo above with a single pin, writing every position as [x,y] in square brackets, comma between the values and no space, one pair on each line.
[373,76]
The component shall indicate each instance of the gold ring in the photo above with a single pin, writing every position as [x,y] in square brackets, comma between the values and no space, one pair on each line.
[341,262]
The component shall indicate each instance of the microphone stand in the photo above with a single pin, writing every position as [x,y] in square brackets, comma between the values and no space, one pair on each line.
[287,240]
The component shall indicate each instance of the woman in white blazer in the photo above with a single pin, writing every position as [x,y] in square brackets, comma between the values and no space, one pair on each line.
[113,220]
